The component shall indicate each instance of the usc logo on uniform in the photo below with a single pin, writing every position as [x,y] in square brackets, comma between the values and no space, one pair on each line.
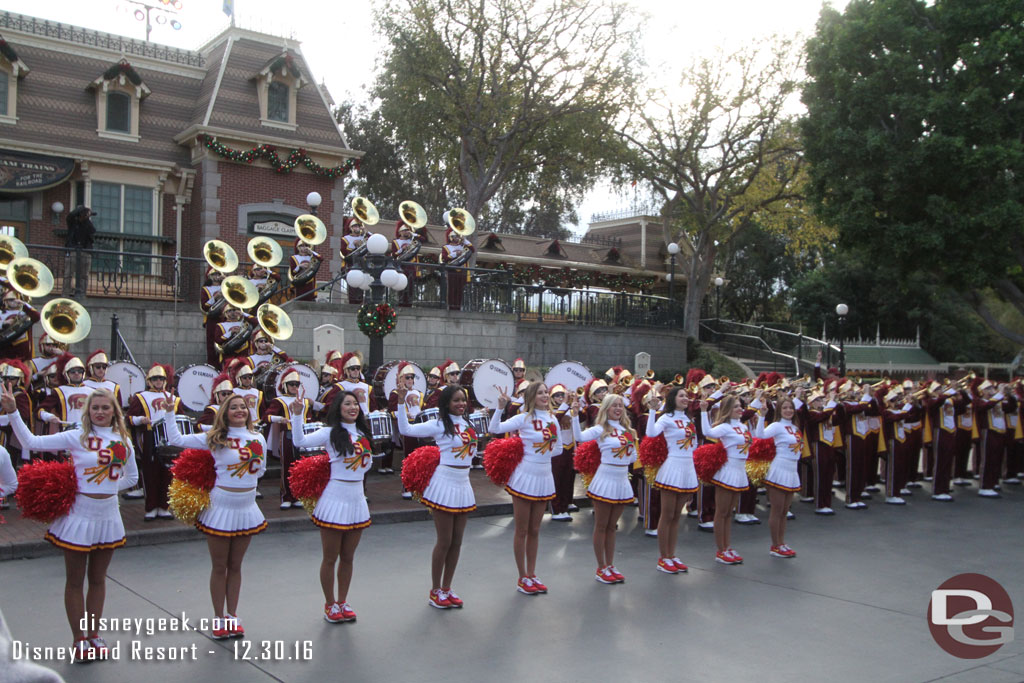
[77,401]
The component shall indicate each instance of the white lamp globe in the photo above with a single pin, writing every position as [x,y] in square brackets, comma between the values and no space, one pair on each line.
[403,282]
[377,244]
[367,280]
[354,278]
[842,309]
[719,282]
[314,199]
[389,277]
[57,207]
[668,277]
[673,248]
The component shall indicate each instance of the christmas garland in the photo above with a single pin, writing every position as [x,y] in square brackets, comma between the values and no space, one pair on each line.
[269,152]
[570,278]
[376,321]
[123,68]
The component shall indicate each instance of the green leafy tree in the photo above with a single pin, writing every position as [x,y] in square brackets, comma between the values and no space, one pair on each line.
[915,138]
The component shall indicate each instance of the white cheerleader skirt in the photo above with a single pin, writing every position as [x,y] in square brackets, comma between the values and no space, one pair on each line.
[782,475]
[91,524]
[532,481]
[678,475]
[449,490]
[342,506]
[733,475]
[611,485]
[231,513]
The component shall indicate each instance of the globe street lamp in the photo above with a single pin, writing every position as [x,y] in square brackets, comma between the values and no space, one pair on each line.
[841,311]
[377,273]
[673,249]
[718,289]
[314,200]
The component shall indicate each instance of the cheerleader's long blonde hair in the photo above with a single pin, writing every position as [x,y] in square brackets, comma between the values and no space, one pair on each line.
[217,437]
[602,416]
[530,398]
[116,422]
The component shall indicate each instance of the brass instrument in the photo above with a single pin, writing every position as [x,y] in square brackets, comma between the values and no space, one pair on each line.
[310,229]
[274,321]
[365,211]
[649,375]
[307,272]
[408,253]
[461,222]
[239,292]
[220,256]
[237,340]
[66,321]
[264,252]
[11,248]
[412,214]
[30,277]
[14,327]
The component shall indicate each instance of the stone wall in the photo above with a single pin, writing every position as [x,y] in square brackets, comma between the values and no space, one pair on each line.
[156,333]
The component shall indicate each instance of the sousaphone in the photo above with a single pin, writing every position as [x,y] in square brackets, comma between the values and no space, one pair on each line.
[461,221]
[220,256]
[66,321]
[264,252]
[239,292]
[11,248]
[30,277]
[365,211]
[412,214]
[310,229]
[275,322]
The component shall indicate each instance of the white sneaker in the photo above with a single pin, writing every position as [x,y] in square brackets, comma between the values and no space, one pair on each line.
[286,505]
[836,482]
[929,478]
[706,526]
[692,513]
[164,513]
[790,515]
[561,517]
[895,500]
[135,493]
[150,516]
[906,492]
[989,493]
[1012,480]
[573,507]
[855,506]
[942,496]
[824,511]
[806,499]
[259,494]
[297,504]
[407,495]
[960,481]
[650,532]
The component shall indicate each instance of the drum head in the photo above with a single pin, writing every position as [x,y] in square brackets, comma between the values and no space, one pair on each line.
[129,376]
[485,378]
[386,379]
[568,373]
[307,375]
[194,385]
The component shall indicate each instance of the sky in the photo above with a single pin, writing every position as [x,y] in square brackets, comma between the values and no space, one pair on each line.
[341,46]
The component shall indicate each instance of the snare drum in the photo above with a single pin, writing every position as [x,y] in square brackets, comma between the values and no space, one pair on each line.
[194,383]
[483,377]
[185,426]
[479,421]
[380,427]
[307,429]
[569,374]
[386,379]
[129,376]
[428,415]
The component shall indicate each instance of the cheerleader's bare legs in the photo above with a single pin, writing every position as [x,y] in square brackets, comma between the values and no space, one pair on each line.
[606,516]
[77,603]
[450,528]
[339,548]
[527,515]
[226,554]
[725,505]
[780,501]
[668,522]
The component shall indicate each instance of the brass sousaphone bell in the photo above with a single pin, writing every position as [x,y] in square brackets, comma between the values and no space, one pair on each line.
[30,277]
[264,252]
[66,321]
[274,321]
[365,211]
[310,229]
[461,221]
[239,292]
[412,214]
[11,248]
[220,256]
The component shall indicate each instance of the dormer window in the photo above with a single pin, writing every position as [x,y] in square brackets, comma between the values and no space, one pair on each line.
[277,85]
[12,69]
[119,90]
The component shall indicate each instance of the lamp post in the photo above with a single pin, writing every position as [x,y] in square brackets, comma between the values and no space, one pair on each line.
[377,273]
[57,208]
[841,311]
[673,249]
[314,200]
[718,289]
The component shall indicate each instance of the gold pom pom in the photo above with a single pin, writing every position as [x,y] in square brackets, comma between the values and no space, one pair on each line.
[309,504]
[187,501]
[757,470]
[650,473]
[587,478]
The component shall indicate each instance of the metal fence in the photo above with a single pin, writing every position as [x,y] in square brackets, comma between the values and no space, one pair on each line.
[790,350]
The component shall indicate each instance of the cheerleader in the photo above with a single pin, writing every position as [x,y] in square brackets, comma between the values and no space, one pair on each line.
[101,451]
[449,494]
[677,478]
[341,512]
[782,479]
[609,489]
[731,479]
[232,517]
[8,477]
[532,485]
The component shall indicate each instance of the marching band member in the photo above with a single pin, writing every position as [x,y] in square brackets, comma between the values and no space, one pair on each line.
[647,496]
[145,409]
[353,236]
[562,464]
[351,365]
[853,416]
[894,411]
[454,247]
[299,262]
[404,238]
[341,511]
[731,479]
[96,374]
[221,390]
[451,373]
[515,405]
[240,372]
[233,319]
[328,375]
[1015,438]
[518,371]
[13,308]
[404,380]
[677,478]
[50,351]
[609,489]
[209,296]
[532,484]
[232,518]
[449,494]
[990,407]
[965,436]
[950,405]
[433,388]
[262,277]
[13,373]
[104,463]
[279,416]
[594,392]
[66,402]
[782,480]
[264,351]
[822,437]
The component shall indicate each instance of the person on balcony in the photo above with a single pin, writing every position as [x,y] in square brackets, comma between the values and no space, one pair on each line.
[78,257]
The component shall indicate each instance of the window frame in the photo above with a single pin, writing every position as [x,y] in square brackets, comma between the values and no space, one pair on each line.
[136,93]
[122,261]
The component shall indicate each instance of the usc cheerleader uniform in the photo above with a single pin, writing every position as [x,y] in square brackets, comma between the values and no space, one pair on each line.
[104,465]
[789,446]
[239,465]
[735,437]
[677,472]
[532,479]
[342,505]
[449,489]
[618,451]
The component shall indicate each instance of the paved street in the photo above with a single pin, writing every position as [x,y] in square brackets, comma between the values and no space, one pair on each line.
[850,607]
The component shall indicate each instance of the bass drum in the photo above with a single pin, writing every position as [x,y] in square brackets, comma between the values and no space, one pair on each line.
[194,383]
[386,379]
[129,376]
[568,373]
[271,382]
[483,378]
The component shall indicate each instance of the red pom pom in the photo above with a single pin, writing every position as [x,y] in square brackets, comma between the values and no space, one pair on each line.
[418,468]
[762,449]
[502,457]
[587,458]
[309,476]
[195,467]
[708,459]
[653,451]
[46,490]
